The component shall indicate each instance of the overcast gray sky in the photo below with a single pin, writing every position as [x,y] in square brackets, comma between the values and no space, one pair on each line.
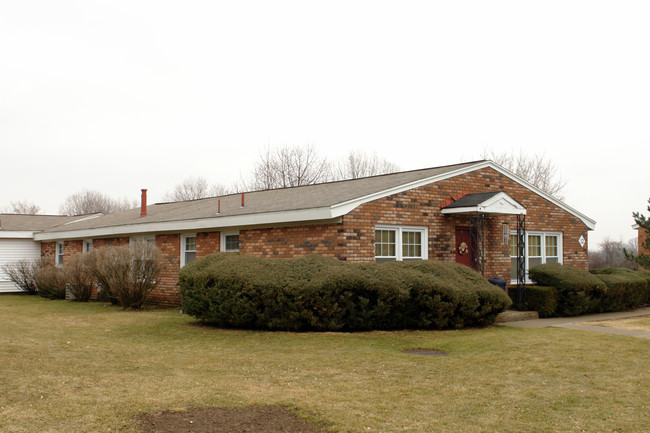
[122,95]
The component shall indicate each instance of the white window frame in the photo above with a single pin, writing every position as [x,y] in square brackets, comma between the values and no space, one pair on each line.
[424,237]
[87,245]
[58,258]
[542,235]
[184,246]
[223,241]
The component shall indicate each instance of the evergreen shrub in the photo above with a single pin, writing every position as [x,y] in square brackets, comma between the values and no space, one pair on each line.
[625,289]
[542,299]
[578,291]
[325,294]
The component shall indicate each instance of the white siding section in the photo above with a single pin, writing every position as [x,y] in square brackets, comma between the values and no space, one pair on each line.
[12,250]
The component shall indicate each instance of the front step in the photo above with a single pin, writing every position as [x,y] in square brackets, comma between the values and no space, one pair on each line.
[516,316]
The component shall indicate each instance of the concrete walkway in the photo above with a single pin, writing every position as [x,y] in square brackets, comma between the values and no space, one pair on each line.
[578,322]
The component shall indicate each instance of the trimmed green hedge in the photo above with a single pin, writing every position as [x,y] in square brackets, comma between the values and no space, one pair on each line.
[316,293]
[578,291]
[538,298]
[625,289]
[600,290]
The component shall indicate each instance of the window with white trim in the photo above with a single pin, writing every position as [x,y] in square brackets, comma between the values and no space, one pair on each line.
[58,258]
[230,242]
[87,245]
[400,243]
[540,248]
[188,249]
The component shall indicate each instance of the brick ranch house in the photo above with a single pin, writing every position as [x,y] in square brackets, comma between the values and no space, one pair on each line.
[473,213]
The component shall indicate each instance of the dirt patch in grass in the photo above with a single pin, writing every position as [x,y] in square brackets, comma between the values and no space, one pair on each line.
[640,323]
[258,419]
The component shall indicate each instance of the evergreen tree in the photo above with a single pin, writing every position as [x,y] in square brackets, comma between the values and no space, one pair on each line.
[644,224]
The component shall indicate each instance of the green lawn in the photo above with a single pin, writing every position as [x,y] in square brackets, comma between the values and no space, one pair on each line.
[67,367]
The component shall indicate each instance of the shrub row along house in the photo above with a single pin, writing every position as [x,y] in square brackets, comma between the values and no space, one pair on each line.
[475,213]
[17,240]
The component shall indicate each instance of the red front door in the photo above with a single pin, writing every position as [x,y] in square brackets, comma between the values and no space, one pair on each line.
[463,254]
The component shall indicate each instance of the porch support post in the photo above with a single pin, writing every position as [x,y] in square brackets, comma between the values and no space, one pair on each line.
[477,241]
[521,260]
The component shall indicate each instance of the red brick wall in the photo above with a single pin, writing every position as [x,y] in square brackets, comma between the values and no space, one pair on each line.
[353,237]
[167,291]
[207,243]
[643,235]
[110,242]
[48,249]
[323,239]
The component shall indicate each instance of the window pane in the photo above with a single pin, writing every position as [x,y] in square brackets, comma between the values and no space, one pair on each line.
[411,244]
[190,256]
[513,245]
[551,246]
[534,246]
[385,243]
[190,244]
[232,242]
[534,261]
[551,260]
[513,268]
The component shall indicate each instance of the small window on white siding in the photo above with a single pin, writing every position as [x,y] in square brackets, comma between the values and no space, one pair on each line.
[400,243]
[188,249]
[230,242]
[59,254]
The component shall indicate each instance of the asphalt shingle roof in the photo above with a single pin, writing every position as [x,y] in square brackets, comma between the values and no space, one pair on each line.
[471,200]
[18,222]
[275,200]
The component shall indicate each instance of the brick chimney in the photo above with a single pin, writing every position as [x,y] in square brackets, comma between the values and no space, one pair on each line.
[143,203]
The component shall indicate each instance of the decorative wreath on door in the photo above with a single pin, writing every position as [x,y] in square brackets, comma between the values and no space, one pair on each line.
[462,248]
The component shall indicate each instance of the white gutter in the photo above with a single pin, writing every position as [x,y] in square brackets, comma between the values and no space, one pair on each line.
[16,234]
[303,215]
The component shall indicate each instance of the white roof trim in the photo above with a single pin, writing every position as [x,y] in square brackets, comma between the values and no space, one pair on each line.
[345,207]
[16,234]
[86,218]
[304,215]
[501,203]
[301,215]
[635,226]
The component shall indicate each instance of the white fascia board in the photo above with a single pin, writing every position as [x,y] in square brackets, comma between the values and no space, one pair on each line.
[635,226]
[502,203]
[315,214]
[590,223]
[16,234]
[346,207]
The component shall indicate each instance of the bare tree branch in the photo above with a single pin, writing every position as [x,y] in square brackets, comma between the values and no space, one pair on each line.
[286,167]
[89,202]
[22,207]
[194,188]
[360,164]
[535,169]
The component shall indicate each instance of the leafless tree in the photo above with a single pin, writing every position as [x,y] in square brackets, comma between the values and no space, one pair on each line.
[89,202]
[535,169]
[360,164]
[21,273]
[194,188]
[23,207]
[611,254]
[286,167]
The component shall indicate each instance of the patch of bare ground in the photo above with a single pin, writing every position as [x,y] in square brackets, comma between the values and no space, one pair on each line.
[258,419]
[639,323]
